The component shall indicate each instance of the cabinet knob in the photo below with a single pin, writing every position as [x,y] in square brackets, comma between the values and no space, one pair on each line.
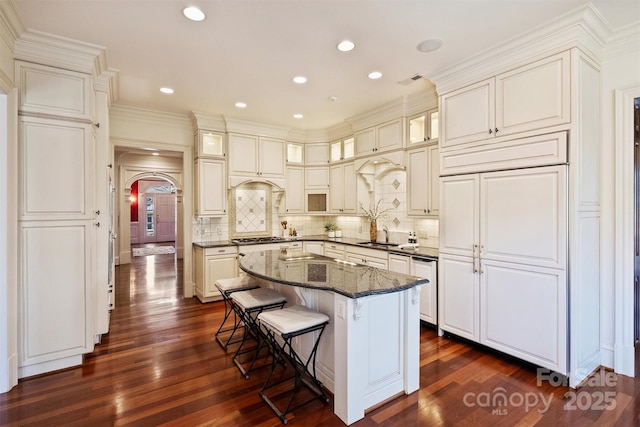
[490,131]
[496,131]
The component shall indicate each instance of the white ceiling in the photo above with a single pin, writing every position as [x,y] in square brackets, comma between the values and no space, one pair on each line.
[249,50]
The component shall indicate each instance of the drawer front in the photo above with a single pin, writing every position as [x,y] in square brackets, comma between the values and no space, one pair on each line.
[227,250]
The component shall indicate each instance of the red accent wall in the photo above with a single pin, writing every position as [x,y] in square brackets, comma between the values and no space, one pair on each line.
[134,202]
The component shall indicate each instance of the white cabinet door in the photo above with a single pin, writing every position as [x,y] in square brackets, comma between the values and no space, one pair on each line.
[523,216]
[459,222]
[423,181]
[60,149]
[56,293]
[365,142]
[336,194]
[272,158]
[524,312]
[349,189]
[316,154]
[428,291]
[334,250]
[243,155]
[217,267]
[534,96]
[211,189]
[294,196]
[433,182]
[400,263]
[317,178]
[418,175]
[468,114]
[389,136]
[314,247]
[459,296]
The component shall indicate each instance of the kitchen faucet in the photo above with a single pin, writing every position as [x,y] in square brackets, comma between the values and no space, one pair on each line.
[386,233]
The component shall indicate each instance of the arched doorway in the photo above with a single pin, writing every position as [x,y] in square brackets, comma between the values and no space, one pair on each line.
[153,211]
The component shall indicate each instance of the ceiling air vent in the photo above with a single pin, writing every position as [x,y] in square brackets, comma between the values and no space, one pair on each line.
[410,79]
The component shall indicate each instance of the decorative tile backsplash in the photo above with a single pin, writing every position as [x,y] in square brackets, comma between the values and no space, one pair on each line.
[390,186]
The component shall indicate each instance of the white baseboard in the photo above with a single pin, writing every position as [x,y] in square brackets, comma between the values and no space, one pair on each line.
[624,362]
[50,366]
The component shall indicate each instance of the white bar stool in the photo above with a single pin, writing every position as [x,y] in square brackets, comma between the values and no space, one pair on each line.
[248,305]
[280,327]
[226,288]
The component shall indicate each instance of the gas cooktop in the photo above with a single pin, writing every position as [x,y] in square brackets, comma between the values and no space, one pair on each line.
[258,240]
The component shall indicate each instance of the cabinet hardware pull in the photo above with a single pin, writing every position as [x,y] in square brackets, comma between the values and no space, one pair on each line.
[496,131]
[473,255]
[490,131]
[98,212]
[97,224]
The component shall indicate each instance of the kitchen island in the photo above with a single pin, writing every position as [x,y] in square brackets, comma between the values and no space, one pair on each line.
[370,351]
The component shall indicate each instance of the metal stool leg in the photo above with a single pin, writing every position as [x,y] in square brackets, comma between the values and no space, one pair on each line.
[248,305]
[304,372]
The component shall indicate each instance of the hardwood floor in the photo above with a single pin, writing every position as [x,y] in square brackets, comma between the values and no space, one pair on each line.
[160,365]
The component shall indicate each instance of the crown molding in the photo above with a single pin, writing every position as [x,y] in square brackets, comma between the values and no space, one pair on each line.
[149,116]
[61,52]
[11,25]
[252,128]
[339,131]
[624,41]
[108,82]
[421,101]
[389,111]
[583,27]
[207,121]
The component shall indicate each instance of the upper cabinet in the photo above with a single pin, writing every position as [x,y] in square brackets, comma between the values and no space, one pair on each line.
[423,128]
[255,156]
[210,188]
[210,143]
[385,137]
[423,178]
[54,91]
[343,149]
[295,153]
[316,154]
[527,98]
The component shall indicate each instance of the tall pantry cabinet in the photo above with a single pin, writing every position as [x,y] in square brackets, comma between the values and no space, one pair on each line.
[520,211]
[58,218]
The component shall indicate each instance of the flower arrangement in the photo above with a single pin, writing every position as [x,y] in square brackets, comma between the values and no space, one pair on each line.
[374,213]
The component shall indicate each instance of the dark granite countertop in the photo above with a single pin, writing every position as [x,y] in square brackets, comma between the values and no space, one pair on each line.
[298,268]
[428,254]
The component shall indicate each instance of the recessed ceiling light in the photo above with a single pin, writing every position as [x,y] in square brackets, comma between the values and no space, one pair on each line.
[150,149]
[193,13]
[300,79]
[155,153]
[166,90]
[241,105]
[429,45]
[298,116]
[333,98]
[346,46]
[375,75]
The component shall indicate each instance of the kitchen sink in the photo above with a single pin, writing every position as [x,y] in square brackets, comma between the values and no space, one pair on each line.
[378,244]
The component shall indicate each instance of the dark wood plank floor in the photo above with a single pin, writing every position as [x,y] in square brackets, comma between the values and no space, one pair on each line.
[160,365]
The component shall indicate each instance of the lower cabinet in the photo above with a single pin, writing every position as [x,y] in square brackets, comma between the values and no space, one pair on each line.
[334,250]
[314,247]
[429,291]
[212,264]
[370,257]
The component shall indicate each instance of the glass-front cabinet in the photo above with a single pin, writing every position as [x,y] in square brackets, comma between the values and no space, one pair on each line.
[342,150]
[294,153]
[423,128]
[210,143]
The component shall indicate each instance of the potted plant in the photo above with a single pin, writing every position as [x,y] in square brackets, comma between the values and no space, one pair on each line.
[331,228]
